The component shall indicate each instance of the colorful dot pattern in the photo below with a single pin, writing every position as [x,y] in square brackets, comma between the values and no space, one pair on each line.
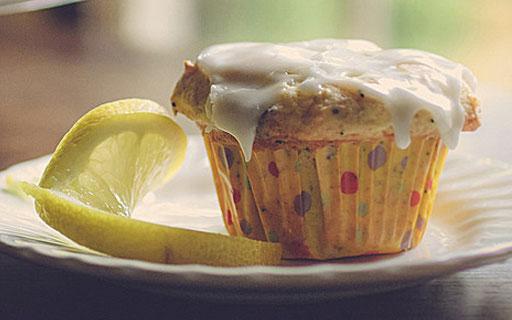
[403,162]
[245,227]
[420,223]
[377,157]
[272,168]
[415,198]
[300,197]
[302,203]
[237,196]
[406,240]
[273,236]
[362,209]
[229,157]
[349,182]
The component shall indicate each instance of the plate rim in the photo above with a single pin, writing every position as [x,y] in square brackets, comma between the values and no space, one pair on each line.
[443,265]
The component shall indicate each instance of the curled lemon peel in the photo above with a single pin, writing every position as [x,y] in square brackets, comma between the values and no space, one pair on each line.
[104,165]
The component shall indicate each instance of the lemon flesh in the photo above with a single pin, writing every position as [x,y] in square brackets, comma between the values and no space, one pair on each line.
[104,165]
[115,154]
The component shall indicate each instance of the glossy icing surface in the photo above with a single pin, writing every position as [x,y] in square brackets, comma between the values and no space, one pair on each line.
[249,78]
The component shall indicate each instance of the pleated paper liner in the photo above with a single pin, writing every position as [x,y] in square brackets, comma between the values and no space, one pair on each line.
[326,201]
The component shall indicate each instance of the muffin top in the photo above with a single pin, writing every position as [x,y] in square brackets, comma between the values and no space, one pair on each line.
[326,90]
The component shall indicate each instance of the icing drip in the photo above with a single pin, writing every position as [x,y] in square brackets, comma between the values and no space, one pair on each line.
[249,78]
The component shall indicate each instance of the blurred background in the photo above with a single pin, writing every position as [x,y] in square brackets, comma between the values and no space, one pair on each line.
[57,63]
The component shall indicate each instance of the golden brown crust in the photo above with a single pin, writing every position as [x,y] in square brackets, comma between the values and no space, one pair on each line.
[291,143]
[472,106]
[191,94]
[336,114]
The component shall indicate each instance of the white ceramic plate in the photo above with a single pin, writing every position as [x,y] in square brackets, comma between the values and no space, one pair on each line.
[470,227]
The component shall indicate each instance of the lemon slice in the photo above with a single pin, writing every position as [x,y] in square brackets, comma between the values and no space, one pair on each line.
[129,238]
[108,161]
[115,154]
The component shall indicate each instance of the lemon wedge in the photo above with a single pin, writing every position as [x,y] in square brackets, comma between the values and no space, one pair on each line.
[115,154]
[104,165]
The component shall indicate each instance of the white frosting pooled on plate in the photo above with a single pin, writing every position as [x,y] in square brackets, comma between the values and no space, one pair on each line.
[249,78]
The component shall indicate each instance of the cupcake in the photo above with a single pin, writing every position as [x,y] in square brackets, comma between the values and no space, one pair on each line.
[332,148]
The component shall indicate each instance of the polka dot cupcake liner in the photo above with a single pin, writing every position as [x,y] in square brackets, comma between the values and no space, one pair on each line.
[329,200]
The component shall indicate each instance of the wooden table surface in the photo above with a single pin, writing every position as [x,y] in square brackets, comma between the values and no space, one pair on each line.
[45,85]
[28,291]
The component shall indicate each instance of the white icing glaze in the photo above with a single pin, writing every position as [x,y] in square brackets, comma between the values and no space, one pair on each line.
[249,78]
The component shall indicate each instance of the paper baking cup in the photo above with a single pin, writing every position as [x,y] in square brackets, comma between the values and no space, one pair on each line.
[331,199]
